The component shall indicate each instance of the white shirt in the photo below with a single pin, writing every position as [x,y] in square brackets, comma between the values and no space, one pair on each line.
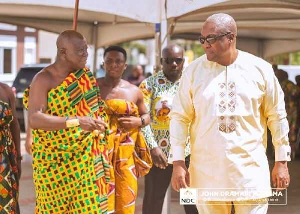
[228,108]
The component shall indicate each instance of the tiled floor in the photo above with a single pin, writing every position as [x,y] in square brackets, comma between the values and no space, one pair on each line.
[27,195]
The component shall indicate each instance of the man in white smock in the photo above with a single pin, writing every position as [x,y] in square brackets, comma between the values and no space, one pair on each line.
[228,98]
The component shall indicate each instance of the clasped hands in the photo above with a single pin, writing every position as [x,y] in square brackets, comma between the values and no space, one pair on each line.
[129,122]
[92,124]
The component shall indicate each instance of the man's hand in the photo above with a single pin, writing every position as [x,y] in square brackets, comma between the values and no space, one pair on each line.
[28,145]
[130,122]
[280,175]
[180,176]
[91,124]
[159,158]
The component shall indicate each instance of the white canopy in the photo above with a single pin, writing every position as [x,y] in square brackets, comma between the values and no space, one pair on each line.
[265,27]
[115,20]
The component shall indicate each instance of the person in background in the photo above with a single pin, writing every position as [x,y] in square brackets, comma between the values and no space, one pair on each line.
[137,75]
[148,74]
[297,78]
[128,152]
[159,91]
[290,98]
[10,153]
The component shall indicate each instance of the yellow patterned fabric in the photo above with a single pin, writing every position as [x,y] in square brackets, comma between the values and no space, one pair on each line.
[71,168]
[129,156]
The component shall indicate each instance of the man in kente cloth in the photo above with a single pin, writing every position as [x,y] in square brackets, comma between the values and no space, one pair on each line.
[70,167]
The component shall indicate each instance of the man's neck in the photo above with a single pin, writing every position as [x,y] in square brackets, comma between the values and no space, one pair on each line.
[232,55]
[173,78]
[61,70]
[111,82]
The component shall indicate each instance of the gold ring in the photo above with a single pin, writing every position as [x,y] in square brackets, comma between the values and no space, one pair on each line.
[96,132]
[101,135]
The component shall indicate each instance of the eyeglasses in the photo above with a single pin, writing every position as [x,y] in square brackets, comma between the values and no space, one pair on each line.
[117,62]
[172,60]
[211,39]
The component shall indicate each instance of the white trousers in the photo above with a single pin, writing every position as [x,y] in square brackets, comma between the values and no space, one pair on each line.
[241,207]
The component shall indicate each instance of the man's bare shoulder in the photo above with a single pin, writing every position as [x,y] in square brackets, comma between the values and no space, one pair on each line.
[129,86]
[43,78]
[4,86]
[7,89]
[100,80]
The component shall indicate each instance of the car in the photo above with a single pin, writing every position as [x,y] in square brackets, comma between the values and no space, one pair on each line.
[21,82]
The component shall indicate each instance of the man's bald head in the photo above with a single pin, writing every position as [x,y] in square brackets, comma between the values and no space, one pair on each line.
[67,37]
[172,62]
[72,49]
[223,22]
[172,48]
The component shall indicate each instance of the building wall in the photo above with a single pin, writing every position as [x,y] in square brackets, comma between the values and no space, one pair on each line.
[18,46]
[47,46]
[8,43]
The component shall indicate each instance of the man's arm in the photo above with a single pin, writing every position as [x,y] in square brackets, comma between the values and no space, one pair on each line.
[147,131]
[129,122]
[38,105]
[274,110]
[181,116]
[159,158]
[15,128]
[142,108]
[29,140]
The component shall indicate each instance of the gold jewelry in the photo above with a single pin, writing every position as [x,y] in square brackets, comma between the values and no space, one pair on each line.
[72,122]
[143,121]
[96,132]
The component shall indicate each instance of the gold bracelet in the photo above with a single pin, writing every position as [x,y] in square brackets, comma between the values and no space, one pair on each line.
[72,122]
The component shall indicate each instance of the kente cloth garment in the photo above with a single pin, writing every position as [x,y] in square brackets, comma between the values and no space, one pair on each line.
[9,184]
[158,94]
[70,166]
[229,108]
[290,97]
[129,156]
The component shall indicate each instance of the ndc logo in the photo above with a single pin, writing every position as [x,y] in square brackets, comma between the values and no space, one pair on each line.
[188,196]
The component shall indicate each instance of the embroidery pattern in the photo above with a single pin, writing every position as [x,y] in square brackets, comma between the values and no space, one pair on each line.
[227,123]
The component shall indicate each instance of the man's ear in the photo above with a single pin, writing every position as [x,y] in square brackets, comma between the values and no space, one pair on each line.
[231,37]
[62,51]
[125,66]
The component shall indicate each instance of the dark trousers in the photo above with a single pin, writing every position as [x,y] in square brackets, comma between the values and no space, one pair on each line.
[156,184]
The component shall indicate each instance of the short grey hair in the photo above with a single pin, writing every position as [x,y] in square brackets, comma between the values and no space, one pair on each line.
[224,22]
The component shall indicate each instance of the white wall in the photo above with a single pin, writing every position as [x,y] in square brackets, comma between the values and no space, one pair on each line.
[47,45]
[9,42]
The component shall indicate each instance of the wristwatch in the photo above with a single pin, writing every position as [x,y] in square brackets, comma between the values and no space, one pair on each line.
[72,122]
[143,121]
